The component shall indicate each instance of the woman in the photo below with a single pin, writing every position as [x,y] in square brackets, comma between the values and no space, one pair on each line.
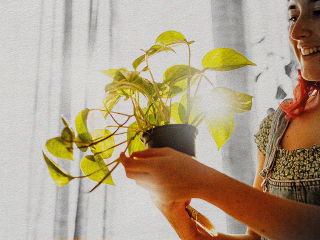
[291,209]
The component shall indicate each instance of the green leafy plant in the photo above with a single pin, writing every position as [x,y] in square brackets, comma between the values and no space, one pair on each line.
[174,99]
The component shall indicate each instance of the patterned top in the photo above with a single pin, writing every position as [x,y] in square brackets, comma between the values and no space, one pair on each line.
[302,163]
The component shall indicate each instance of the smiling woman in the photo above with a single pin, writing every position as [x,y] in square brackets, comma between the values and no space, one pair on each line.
[52,52]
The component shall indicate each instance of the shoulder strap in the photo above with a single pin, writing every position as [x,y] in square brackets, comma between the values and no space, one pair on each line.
[278,127]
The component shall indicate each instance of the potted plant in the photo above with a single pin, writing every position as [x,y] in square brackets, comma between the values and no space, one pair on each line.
[170,107]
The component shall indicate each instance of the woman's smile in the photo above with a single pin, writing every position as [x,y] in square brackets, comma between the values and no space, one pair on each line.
[309,51]
[310,54]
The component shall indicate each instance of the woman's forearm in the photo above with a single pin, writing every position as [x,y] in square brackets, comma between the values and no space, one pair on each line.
[268,215]
[173,176]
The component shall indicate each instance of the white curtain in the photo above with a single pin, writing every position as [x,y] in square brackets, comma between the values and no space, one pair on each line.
[51,54]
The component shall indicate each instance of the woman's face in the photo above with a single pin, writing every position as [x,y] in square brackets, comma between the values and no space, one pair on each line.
[305,36]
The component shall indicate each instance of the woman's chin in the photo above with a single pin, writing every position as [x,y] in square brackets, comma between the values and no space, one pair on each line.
[311,74]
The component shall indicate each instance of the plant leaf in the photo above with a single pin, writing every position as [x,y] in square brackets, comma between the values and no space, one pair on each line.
[103,143]
[67,138]
[131,77]
[196,113]
[230,100]
[110,73]
[178,112]
[196,116]
[170,37]
[65,122]
[109,101]
[177,78]
[151,51]
[220,126]
[224,59]
[83,146]
[57,173]
[67,135]
[177,73]
[81,126]
[59,148]
[127,85]
[90,164]
[135,144]
[138,61]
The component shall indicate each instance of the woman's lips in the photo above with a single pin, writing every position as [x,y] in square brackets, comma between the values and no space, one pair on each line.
[310,50]
[310,56]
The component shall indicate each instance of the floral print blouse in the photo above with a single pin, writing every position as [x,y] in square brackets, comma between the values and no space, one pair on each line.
[297,164]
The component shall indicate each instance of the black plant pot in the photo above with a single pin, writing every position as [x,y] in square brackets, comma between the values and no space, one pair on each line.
[180,137]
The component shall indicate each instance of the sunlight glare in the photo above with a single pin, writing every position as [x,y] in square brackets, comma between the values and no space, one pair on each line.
[212,104]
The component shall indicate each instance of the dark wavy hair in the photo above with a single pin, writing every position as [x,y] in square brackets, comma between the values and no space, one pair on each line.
[302,93]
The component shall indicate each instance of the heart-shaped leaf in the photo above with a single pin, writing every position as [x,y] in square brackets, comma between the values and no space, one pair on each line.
[81,126]
[57,173]
[90,164]
[170,37]
[230,100]
[177,78]
[224,59]
[177,73]
[60,148]
[220,126]
[138,61]
[110,72]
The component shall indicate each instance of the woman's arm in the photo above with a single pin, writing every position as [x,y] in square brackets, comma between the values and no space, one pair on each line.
[173,176]
[187,229]
[176,214]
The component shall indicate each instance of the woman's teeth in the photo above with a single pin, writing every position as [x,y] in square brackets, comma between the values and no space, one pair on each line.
[308,51]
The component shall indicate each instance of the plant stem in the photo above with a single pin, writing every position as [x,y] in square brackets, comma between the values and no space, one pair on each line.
[135,113]
[127,115]
[166,120]
[143,116]
[104,138]
[208,80]
[188,89]
[195,93]
[116,120]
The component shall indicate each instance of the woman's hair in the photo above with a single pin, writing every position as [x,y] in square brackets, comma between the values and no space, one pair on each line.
[302,93]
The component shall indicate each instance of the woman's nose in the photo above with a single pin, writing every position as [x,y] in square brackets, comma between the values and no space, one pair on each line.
[301,28]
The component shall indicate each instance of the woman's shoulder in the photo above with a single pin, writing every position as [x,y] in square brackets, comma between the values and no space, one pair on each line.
[267,121]
[261,137]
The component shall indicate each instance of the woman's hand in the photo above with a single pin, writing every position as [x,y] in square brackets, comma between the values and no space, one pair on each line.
[168,174]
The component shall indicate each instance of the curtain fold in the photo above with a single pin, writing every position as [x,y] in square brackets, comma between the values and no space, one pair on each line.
[228,31]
